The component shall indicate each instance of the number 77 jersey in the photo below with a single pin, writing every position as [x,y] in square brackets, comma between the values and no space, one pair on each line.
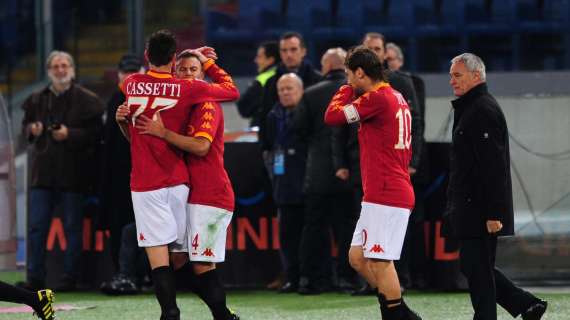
[155,163]
[384,137]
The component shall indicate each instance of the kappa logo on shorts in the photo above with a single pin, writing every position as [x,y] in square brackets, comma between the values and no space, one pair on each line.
[377,248]
[208,252]
[141,237]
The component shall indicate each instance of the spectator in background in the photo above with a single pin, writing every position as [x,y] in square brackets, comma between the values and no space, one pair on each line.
[292,50]
[328,198]
[394,56]
[266,59]
[288,166]
[479,194]
[117,206]
[412,266]
[62,122]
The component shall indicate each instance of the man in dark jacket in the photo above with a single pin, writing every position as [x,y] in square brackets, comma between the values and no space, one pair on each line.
[117,206]
[266,59]
[328,198]
[412,266]
[480,202]
[292,50]
[63,124]
[288,157]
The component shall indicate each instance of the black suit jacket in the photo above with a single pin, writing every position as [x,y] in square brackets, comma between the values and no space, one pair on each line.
[480,174]
[311,129]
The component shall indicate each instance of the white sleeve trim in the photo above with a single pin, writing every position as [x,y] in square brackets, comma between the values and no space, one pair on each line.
[351,113]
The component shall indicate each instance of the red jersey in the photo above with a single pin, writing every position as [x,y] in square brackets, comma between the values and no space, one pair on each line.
[209,182]
[385,141]
[155,163]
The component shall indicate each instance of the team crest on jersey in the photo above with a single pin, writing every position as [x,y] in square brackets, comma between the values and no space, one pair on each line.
[208,116]
[208,106]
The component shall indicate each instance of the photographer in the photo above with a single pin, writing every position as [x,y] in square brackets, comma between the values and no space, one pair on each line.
[62,123]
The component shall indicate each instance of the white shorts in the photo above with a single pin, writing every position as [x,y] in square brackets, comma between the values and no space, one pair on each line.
[207,232]
[160,216]
[381,230]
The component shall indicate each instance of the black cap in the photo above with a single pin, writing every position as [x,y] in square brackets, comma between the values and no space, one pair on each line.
[130,63]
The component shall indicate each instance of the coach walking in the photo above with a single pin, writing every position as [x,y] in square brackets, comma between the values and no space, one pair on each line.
[480,202]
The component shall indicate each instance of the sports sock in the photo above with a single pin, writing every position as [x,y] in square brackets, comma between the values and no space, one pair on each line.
[390,313]
[15,294]
[165,289]
[210,289]
[185,277]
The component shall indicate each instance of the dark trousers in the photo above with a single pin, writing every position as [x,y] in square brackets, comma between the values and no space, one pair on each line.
[290,228]
[133,261]
[487,285]
[121,215]
[323,212]
[42,203]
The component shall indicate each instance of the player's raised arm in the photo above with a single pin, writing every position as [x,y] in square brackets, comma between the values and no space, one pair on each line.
[336,114]
[223,88]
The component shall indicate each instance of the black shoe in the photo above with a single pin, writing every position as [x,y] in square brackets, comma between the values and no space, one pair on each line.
[535,311]
[288,287]
[173,314]
[233,315]
[365,290]
[66,284]
[309,289]
[120,285]
[44,306]
[345,285]
[409,314]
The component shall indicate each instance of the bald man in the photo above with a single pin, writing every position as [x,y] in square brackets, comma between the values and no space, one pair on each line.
[287,163]
[328,197]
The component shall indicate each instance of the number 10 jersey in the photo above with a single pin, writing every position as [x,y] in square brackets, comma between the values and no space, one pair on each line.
[384,138]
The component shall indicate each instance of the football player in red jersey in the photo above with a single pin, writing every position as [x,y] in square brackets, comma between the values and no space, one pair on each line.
[385,153]
[211,201]
[159,178]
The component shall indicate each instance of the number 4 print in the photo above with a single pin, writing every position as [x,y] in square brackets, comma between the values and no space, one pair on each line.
[142,102]
[195,243]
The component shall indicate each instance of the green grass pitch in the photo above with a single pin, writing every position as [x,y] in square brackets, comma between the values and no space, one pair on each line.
[258,305]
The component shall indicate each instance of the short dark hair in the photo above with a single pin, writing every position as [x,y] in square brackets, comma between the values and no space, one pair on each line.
[375,35]
[293,34]
[367,60]
[161,47]
[271,50]
[186,55]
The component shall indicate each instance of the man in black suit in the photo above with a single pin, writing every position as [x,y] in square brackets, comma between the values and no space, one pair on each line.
[328,197]
[480,200]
